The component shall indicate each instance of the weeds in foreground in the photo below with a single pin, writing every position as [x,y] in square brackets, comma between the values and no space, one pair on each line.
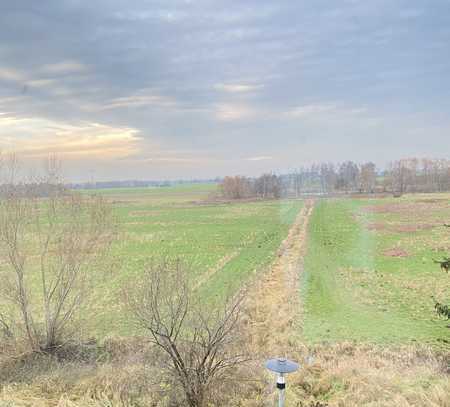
[128,372]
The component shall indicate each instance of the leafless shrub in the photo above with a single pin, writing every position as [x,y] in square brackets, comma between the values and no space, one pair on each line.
[266,186]
[50,249]
[202,345]
[236,187]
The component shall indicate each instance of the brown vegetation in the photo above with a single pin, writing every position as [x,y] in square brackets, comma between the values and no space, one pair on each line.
[50,249]
[202,346]
[396,252]
[123,373]
[264,187]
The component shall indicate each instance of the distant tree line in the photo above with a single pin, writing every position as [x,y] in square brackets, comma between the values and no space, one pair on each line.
[35,186]
[266,186]
[401,176]
[419,175]
[137,183]
[41,189]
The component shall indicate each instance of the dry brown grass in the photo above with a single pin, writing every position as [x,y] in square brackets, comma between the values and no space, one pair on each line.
[343,375]
[273,303]
[348,375]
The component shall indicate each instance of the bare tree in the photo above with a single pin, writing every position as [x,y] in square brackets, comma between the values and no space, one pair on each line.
[201,344]
[50,248]
[348,176]
[414,175]
[327,177]
[267,186]
[368,177]
[401,176]
[236,187]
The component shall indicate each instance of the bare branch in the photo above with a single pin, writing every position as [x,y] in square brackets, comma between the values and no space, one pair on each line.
[199,342]
[68,234]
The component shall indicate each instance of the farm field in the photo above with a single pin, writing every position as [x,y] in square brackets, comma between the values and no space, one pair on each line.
[369,271]
[180,193]
[223,244]
[343,286]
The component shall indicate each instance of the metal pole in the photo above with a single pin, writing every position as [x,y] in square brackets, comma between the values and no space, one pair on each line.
[281,386]
[281,366]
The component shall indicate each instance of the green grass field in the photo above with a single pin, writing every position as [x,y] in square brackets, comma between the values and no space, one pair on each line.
[369,272]
[223,244]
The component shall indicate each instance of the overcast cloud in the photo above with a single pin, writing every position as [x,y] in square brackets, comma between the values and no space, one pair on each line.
[176,89]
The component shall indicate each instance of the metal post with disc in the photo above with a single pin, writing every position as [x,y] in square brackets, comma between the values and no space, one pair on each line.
[281,366]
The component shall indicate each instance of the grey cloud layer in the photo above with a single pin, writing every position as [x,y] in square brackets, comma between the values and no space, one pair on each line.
[289,80]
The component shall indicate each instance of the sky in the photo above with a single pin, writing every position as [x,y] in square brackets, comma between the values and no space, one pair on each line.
[165,89]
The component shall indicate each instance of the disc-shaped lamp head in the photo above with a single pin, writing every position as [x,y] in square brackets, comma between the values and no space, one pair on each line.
[282,365]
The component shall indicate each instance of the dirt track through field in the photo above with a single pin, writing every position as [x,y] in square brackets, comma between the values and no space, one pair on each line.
[274,303]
